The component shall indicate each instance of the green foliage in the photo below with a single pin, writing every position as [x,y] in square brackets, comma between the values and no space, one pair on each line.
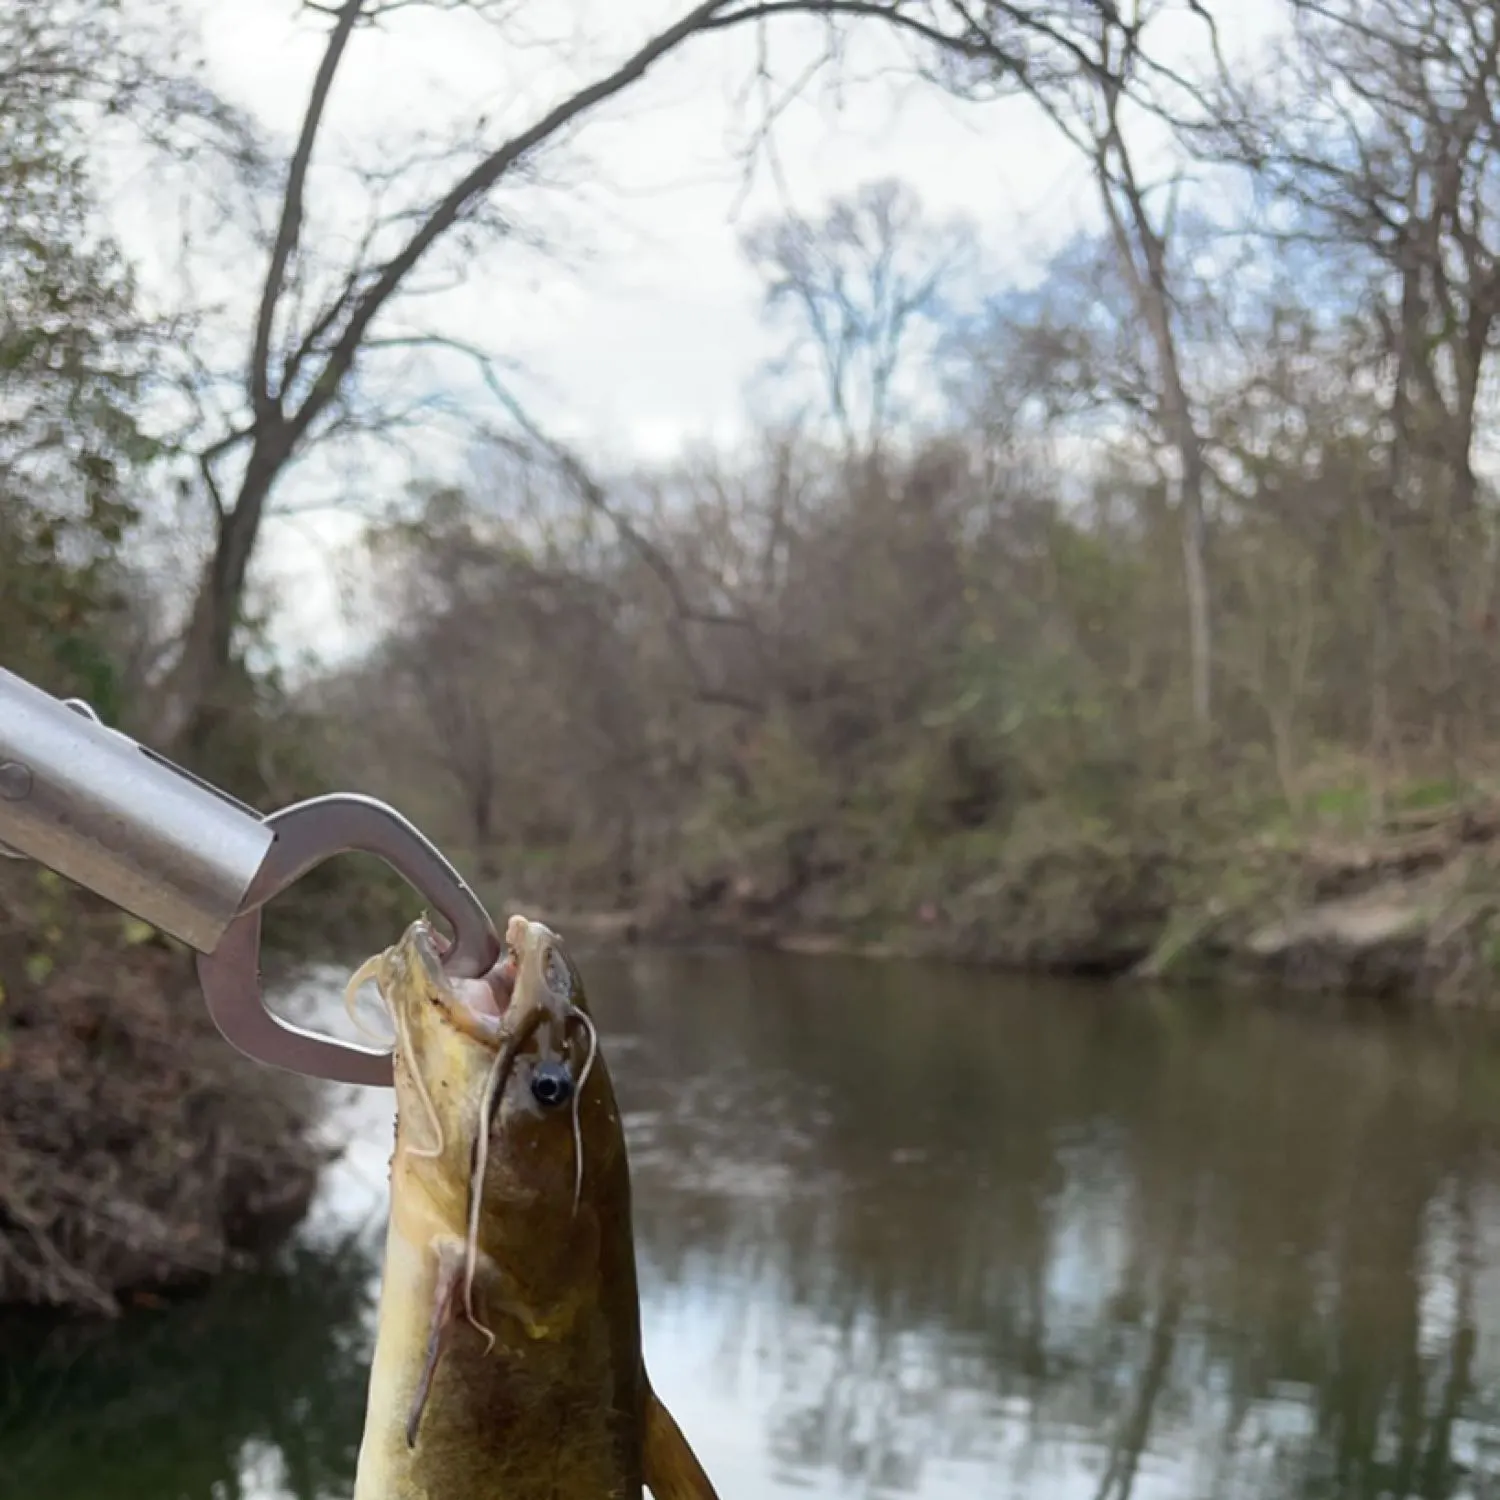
[1350,806]
[74,356]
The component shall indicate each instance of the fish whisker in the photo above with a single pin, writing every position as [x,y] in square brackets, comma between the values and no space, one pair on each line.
[493,1083]
[400,1041]
[575,1014]
[494,1086]
[368,970]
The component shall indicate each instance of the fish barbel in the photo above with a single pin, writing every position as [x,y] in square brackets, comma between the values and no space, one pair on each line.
[508,1359]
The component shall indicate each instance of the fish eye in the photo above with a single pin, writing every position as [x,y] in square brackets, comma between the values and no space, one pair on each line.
[551,1084]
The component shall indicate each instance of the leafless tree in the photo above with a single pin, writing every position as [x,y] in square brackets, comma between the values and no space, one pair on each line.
[865,286]
[310,334]
[1379,134]
[1094,66]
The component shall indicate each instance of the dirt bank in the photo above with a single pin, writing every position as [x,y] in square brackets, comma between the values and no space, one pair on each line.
[139,1154]
[1409,915]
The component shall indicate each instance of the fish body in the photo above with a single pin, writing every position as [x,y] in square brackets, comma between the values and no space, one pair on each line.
[508,1361]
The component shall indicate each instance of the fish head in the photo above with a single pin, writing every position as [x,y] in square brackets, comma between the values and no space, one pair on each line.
[553,1107]
[502,1098]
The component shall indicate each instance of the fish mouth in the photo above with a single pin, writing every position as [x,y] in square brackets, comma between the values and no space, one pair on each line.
[477,1008]
[534,987]
[531,986]
[532,982]
[541,976]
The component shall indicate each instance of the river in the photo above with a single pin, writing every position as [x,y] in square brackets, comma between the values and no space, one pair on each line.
[918,1231]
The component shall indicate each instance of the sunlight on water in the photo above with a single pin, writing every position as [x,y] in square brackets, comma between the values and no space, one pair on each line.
[922,1233]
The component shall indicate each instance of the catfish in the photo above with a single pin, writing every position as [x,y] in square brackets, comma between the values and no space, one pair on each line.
[508,1361]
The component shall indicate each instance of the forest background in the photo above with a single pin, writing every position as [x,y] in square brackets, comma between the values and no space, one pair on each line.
[1127,608]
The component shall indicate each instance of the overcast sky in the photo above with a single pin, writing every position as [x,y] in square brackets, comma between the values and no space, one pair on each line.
[641,334]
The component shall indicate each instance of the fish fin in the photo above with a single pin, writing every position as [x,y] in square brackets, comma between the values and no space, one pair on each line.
[445,1305]
[672,1468]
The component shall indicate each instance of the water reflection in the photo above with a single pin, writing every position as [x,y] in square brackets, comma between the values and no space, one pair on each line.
[255,1392]
[966,1234]
[928,1233]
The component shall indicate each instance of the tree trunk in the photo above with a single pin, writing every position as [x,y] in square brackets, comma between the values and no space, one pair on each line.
[1195,577]
[1152,296]
[483,824]
[1143,259]
[194,694]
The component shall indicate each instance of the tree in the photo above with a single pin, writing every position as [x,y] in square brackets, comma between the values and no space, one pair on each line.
[1377,143]
[866,289]
[1090,70]
[75,352]
[313,334]
[314,324]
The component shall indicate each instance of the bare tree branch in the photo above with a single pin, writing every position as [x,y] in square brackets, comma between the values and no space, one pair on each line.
[593,493]
[288,231]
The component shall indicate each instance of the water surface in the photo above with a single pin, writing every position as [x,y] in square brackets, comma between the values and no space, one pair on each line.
[924,1232]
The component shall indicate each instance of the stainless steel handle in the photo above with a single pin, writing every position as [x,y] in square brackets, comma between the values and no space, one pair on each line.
[307,834]
[127,824]
[122,821]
